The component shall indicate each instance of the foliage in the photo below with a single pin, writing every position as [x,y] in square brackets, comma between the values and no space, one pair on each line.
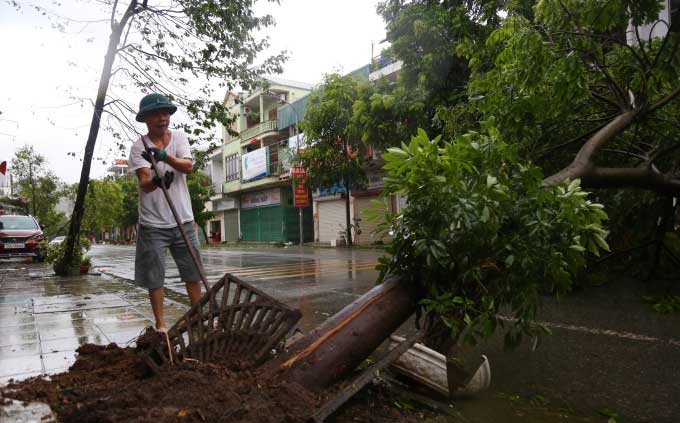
[567,87]
[56,252]
[334,150]
[40,186]
[664,304]
[130,188]
[104,205]
[332,144]
[200,190]
[483,233]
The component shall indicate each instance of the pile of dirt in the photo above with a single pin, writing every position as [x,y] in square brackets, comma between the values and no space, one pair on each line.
[112,384]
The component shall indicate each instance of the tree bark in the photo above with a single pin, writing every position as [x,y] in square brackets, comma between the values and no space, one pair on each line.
[583,162]
[72,240]
[330,352]
[348,220]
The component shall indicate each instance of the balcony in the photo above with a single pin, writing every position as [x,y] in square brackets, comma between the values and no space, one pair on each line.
[260,128]
[217,187]
[383,66]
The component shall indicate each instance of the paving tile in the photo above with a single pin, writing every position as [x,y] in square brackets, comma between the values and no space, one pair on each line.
[19,338]
[12,323]
[11,351]
[76,331]
[19,365]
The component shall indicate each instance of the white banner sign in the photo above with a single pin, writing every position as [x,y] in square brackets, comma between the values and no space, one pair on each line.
[255,164]
[261,198]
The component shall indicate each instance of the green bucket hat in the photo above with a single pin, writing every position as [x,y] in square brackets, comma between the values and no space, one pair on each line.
[152,102]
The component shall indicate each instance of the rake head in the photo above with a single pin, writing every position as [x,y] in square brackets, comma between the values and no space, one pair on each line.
[232,319]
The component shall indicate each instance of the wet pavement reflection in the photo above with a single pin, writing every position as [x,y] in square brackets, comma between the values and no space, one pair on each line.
[319,282]
[45,318]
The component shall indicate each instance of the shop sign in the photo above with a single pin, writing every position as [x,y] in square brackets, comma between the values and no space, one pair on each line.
[300,191]
[375,180]
[261,198]
[255,164]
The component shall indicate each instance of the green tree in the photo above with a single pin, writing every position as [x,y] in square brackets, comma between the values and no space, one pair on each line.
[104,205]
[130,188]
[585,99]
[28,166]
[162,47]
[200,190]
[40,186]
[334,150]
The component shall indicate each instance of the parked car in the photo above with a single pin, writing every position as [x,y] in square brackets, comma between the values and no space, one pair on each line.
[20,236]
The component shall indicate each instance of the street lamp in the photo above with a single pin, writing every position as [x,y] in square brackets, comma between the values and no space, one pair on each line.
[280,99]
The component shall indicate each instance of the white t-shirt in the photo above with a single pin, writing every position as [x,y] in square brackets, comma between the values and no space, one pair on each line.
[153,207]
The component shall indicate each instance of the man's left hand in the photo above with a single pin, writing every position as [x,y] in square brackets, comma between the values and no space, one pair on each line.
[159,154]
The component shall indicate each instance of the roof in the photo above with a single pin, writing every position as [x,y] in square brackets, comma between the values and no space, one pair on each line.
[289,83]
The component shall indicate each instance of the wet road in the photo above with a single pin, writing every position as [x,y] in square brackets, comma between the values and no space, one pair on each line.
[319,282]
[608,351]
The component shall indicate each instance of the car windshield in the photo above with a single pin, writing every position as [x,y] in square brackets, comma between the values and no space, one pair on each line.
[17,222]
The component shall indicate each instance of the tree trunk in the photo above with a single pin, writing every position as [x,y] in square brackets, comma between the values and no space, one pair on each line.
[330,352]
[348,221]
[207,240]
[72,240]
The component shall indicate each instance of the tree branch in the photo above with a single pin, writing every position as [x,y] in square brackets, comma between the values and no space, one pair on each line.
[665,100]
[584,158]
[637,177]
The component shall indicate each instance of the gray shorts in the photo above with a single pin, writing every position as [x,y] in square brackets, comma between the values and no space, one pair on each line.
[150,255]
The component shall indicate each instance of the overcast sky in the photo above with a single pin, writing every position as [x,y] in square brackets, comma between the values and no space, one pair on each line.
[44,69]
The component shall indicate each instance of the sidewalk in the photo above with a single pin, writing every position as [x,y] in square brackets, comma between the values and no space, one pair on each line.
[45,318]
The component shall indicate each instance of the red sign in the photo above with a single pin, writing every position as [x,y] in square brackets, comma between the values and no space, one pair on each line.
[3,167]
[300,192]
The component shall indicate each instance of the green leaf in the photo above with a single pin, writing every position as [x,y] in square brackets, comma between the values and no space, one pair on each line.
[485,214]
[398,152]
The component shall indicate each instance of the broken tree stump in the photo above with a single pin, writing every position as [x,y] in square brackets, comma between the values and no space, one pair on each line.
[331,351]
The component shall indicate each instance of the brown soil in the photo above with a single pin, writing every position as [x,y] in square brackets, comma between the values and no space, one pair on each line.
[112,384]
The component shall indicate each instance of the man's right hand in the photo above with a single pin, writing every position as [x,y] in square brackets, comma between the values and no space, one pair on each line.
[166,180]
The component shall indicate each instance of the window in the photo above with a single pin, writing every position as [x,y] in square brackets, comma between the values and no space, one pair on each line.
[232,165]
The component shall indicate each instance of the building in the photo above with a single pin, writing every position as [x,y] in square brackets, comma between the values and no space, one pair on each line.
[251,172]
[119,167]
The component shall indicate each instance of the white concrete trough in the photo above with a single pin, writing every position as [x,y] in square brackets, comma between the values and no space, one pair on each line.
[428,367]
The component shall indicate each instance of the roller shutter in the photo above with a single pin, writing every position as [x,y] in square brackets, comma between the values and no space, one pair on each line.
[231,225]
[331,219]
[367,236]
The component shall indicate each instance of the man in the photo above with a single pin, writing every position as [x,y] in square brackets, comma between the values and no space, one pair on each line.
[158,229]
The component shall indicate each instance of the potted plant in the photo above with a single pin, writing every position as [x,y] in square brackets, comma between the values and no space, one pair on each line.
[85,264]
[55,256]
